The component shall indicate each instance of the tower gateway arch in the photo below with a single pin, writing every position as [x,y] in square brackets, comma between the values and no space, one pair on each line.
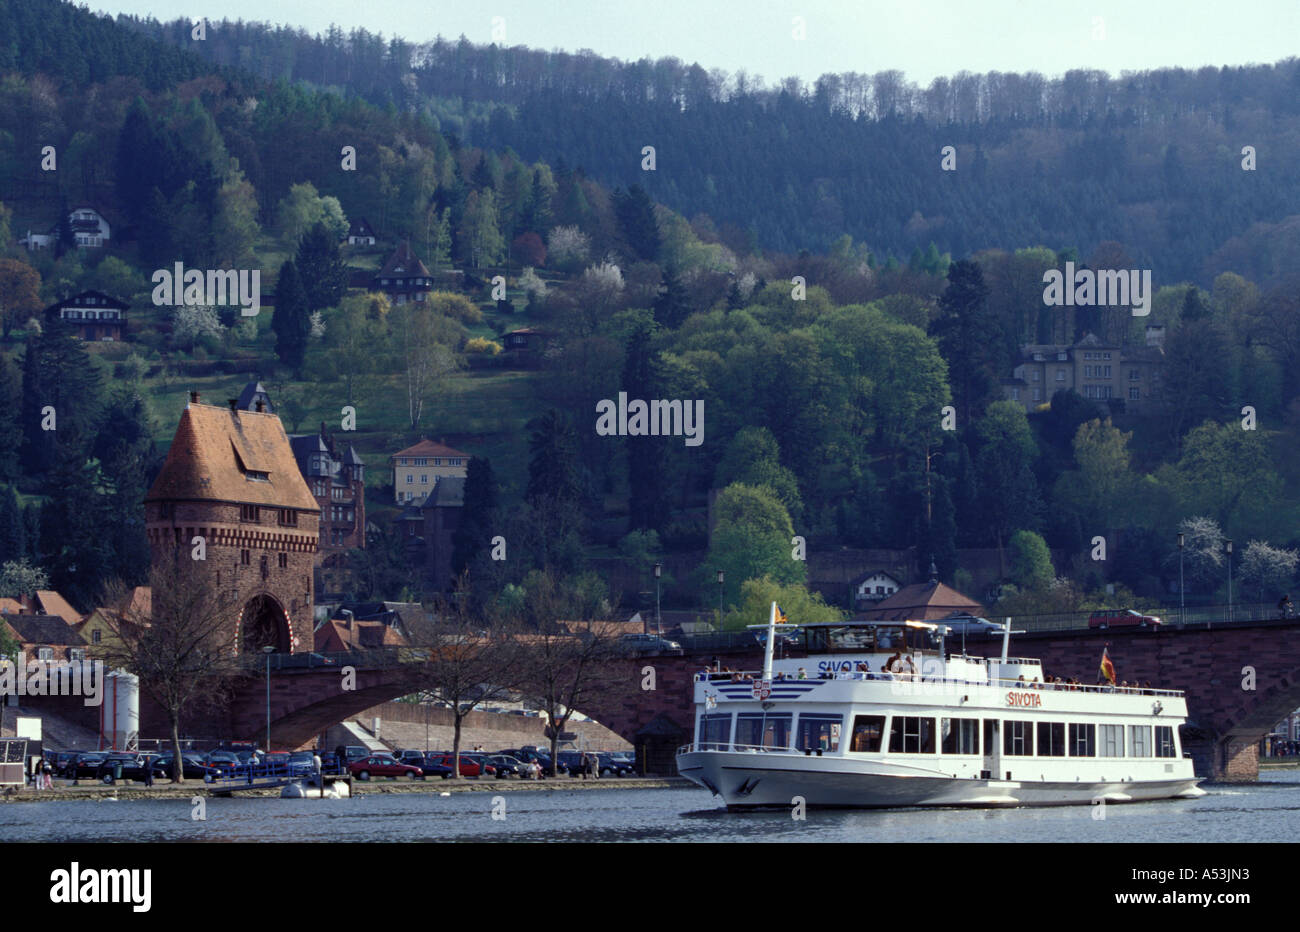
[231,479]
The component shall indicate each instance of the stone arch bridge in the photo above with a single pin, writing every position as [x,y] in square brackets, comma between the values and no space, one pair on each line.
[1228,711]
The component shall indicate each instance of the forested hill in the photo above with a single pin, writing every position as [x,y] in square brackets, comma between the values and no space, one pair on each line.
[1151,160]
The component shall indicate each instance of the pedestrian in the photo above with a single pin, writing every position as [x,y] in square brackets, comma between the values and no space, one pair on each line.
[148,770]
[595,766]
[317,765]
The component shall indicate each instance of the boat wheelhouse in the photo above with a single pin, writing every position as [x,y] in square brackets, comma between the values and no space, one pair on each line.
[881,714]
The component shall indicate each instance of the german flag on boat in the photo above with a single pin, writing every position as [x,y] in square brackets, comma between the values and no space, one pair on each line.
[1107,668]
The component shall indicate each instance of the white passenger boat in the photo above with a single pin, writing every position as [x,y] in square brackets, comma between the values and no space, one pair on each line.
[833,728]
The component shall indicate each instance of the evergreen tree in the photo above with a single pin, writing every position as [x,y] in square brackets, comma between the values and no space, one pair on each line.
[60,396]
[292,318]
[472,540]
[320,267]
[636,223]
[553,467]
[65,239]
[11,430]
[646,463]
[969,338]
[13,541]
[76,538]
[32,533]
[672,306]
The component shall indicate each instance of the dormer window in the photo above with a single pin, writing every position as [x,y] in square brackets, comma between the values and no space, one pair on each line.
[254,476]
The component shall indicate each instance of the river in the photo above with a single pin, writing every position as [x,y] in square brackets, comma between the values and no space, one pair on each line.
[1237,813]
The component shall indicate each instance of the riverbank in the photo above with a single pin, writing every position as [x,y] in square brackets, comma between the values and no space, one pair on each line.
[192,788]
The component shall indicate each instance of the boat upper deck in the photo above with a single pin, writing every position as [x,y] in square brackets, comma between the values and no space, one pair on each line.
[750,676]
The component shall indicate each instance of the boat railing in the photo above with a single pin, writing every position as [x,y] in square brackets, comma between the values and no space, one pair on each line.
[925,679]
[739,748]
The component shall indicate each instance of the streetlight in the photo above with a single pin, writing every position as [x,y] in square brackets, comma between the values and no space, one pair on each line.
[659,570]
[1181,602]
[1228,547]
[720,579]
[268,650]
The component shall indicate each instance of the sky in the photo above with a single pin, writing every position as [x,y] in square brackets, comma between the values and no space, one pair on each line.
[922,38]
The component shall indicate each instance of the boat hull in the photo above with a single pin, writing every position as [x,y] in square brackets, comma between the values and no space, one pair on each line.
[770,780]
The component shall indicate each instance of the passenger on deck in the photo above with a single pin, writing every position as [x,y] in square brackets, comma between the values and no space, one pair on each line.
[894,664]
[1035,684]
[908,668]
[803,674]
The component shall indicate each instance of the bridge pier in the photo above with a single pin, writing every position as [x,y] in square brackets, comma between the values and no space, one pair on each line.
[1229,759]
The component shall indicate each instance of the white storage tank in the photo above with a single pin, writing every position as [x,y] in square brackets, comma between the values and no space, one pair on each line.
[119,715]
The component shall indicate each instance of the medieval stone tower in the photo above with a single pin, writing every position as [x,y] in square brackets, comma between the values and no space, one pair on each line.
[230,478]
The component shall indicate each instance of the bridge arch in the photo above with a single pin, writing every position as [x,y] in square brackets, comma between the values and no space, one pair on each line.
[263,622]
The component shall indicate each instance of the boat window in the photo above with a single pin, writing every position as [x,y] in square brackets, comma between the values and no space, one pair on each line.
[819,732]
[759,730]
[851,638]
[1112,740]
[961,736]
[1083,740]
[1140,740]
[1018,738]
[1165,741]
[990,736]
[868,730]
[1051,739]
[911,735]
[715,731]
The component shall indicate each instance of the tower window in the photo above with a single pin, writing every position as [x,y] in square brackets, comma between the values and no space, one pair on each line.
[284,560]
[288,517]
[244,558]
[248,513]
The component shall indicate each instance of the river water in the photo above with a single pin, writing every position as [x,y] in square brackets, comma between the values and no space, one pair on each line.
[1252,813]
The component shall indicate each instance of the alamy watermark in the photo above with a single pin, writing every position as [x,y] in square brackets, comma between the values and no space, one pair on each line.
[656,418]
[54,678]
[1105,287]
[214,287]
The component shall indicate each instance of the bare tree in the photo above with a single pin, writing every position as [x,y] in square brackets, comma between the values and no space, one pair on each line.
[570,654]
[181,644]
[424,346]
[467,664]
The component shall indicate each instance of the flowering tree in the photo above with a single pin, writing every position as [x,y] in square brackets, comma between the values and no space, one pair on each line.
[1271,569]
[193,322]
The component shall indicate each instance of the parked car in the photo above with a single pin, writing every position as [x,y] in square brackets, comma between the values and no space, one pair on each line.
[1122,619]
[192,767]
[383,765]
[62,762]
[647,644]
[469,767]
[117,766]
[302,763]
[506,765]
[530,755]
[411,757]
[223,762]
[347,753]
[86,765]
[616,766]
[433,766]
[571,762]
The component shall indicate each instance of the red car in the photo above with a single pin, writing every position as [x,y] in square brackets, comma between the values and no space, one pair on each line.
[469,767]
[1121,619]
[383,765]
